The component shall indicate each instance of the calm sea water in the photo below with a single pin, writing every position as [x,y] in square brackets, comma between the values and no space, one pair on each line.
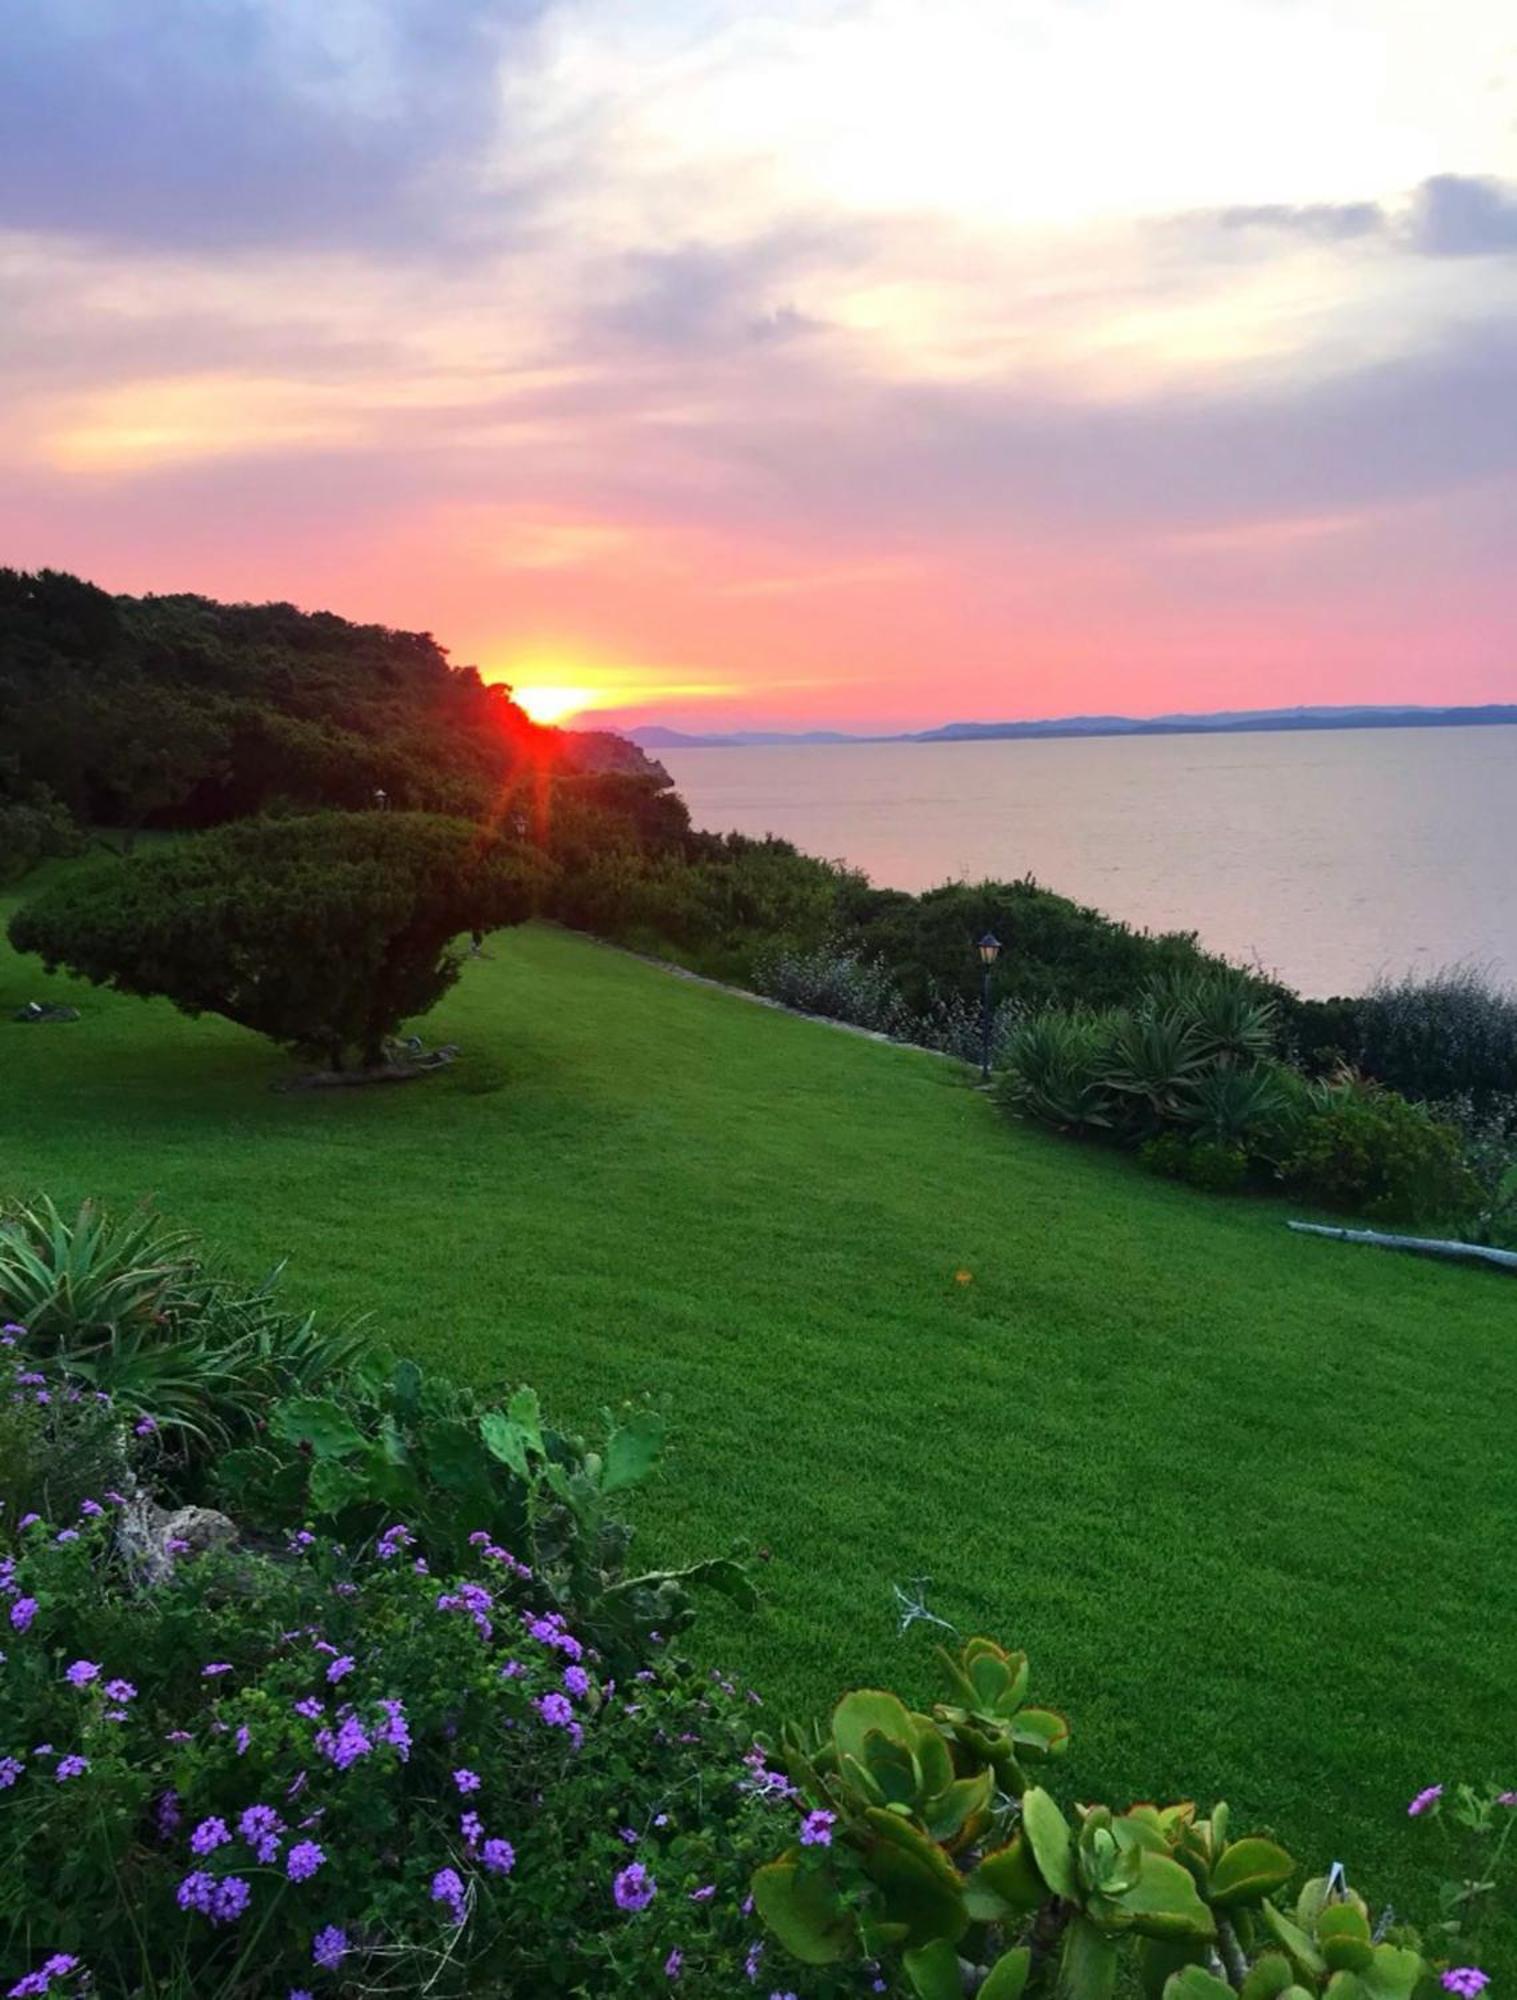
[1326,857]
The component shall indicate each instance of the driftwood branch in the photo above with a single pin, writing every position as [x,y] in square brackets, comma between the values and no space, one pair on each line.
[1420,1246]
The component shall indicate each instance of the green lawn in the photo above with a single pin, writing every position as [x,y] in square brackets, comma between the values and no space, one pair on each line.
[1248,1499]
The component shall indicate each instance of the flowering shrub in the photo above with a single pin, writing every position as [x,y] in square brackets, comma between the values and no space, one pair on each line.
[60,1443]
[310,1773]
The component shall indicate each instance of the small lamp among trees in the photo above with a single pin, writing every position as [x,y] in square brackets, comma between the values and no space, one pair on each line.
[323,932]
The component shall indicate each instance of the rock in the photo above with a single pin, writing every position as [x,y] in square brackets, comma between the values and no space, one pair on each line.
[153,1539]
[37,1010]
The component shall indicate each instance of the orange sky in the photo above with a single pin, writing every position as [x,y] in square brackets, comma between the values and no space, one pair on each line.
[871,365]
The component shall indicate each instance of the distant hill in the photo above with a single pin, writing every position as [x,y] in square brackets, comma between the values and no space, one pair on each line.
[1225,722]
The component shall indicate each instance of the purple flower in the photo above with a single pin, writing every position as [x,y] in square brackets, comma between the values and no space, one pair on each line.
[1468,1981]
[300,1538]
[195,1891]
[816,1828]
[704,1894]
[329,1947]
[466,1781]
[577,1681]
[23,1611]
[349,1744]
[120,1690]
[300,1993]
[310,1708]
[472,1827]
[145,1427]
[208,1836]
[447,1888]
[243,1739]
[674,1963]
[59,1966]
[754,1959]
[90,1509]
[215,1667]
[82,1672]
[627,1834]
[634,1888]
[555,1709]
[231,1898]
[167,1814]
[71,1767]
[392,1541]
[395,1730]
[1425,1800]
[339,1667]
[1506,1798]
[499,1857]
[10,1770]
[259,1825]
[303,1859]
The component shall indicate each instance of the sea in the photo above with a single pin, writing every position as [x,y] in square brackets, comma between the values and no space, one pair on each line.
[1326,857]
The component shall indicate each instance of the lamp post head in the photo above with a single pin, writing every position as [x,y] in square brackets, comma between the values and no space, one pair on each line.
[989,948]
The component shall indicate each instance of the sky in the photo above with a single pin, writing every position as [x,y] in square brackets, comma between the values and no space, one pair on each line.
[796,363]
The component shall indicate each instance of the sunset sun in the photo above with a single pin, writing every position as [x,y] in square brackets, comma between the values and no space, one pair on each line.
[553,704]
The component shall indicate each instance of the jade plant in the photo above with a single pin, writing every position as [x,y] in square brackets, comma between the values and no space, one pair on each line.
[926,1842]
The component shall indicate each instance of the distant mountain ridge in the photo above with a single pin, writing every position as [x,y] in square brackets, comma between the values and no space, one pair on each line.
[654,736]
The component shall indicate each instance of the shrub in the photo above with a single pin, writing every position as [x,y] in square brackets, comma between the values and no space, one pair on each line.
[1203,1163]
[1372,1152]
[1056,1071]
[34,826]
[1055,952]
[388,1440]
[268,1769]
[1454,1034]
[957,1027]
[930,1844]
[1488,1134]
[837,984]
[323,933]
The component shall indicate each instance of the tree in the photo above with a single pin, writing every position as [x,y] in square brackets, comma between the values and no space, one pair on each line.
[324,933]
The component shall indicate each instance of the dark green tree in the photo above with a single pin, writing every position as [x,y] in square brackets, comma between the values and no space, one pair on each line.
[324,933]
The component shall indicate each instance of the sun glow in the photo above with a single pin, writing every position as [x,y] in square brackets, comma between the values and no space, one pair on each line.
[553,704]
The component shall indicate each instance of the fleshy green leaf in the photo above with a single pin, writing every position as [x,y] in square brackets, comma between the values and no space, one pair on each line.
[1051,1842]
[933,1970]
[1248,1870]
[801,1908]
[318,1422]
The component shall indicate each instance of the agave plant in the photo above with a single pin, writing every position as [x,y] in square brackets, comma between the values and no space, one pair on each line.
[1229,1107]
[1155,1059]
[1231,1022]
[127,1306]
[1054,1071]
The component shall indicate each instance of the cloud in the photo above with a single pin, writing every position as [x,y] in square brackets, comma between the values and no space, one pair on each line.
[1455,215]
[1447,215]
[1322,221]
[218,122]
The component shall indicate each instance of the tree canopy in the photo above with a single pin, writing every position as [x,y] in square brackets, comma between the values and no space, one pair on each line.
[178,711]
[323,932]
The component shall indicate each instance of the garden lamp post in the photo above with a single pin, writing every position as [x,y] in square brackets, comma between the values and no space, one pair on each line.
[381,798]
[989,949]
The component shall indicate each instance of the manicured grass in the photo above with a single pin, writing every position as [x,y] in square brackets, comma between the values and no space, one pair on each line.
[1249,1500]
